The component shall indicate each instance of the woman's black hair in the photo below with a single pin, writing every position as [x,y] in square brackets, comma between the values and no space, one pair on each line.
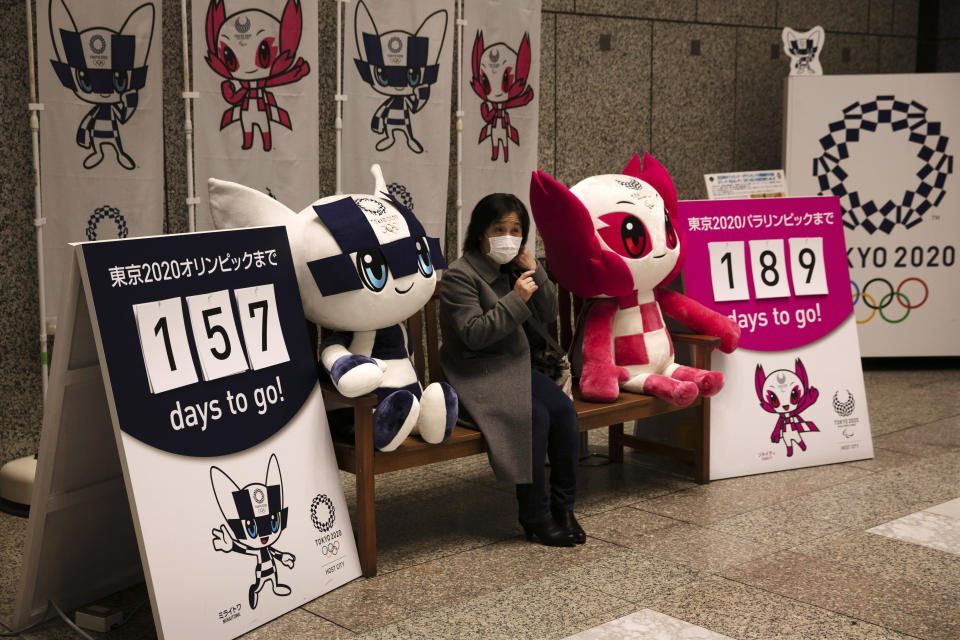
[490,209]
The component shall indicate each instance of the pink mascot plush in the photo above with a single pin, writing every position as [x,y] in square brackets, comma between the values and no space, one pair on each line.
[613,240]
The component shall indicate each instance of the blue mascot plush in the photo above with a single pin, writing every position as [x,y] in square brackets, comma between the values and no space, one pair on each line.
[364,264]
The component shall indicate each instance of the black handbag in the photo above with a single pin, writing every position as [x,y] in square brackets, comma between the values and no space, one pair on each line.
[548,357]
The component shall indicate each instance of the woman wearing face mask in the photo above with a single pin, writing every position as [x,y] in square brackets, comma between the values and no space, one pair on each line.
[485,298]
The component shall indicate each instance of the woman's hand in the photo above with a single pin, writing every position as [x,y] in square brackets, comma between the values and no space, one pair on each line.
[525,285]
[525,259]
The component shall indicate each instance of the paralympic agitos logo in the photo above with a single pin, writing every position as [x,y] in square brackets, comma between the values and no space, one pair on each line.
[908,117]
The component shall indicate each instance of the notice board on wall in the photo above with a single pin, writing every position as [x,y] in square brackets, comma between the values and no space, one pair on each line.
[885,146]
[793,394]
[219,458]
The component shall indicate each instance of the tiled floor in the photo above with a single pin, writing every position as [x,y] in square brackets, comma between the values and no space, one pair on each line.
[867,549]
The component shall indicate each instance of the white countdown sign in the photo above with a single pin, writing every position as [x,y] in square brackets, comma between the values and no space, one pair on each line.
[218,468]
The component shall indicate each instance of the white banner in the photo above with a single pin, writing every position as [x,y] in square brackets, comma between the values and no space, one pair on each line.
[101,157]
[885,145]
[256,121]
[501,93]
[398,60]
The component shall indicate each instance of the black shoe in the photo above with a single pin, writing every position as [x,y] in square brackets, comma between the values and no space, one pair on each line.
[565,519]
[549,533]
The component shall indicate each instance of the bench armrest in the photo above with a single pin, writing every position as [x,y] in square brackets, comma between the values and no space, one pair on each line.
[701,347]
[696,339]
[330,393]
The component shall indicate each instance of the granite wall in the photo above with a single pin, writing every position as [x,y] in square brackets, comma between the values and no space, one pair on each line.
[698,83]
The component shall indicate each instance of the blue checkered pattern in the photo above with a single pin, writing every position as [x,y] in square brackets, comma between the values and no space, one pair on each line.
[109,213]
[899,116]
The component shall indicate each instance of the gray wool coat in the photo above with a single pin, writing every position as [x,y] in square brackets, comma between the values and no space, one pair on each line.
[486,358]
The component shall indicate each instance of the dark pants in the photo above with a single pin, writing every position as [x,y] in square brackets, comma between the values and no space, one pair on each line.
[555,434]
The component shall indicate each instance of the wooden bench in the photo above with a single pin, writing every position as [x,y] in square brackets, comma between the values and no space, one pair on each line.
[361,459]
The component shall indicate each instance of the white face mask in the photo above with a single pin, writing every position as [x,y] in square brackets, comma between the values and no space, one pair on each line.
[503,249]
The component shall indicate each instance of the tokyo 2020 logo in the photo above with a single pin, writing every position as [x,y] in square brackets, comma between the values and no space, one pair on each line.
[316,513]
[908,117]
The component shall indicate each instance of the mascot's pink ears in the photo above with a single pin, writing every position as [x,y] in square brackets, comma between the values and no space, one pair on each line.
[653,173]
[576,258]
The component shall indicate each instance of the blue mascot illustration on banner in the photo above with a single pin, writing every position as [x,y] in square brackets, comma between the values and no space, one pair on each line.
[256,518]
[804,50]
[105,68]
[401,66]
[364,265]
[254,50]
[500,79]
[787,394]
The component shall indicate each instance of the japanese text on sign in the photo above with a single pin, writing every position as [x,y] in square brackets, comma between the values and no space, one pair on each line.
[160,271]
[760,221]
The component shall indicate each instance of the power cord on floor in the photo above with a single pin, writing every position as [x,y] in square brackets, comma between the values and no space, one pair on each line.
[71,623]
[130,615]
[66,618]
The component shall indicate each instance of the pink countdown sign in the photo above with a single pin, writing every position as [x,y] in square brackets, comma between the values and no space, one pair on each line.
[776,266]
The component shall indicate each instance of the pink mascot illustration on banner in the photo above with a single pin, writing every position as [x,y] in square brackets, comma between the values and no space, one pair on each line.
[613,240]
[105,68]
[254,51]
[787,393]
[500,79]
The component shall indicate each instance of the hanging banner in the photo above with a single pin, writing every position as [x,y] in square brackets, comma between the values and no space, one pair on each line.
[256,120]
[101,160]
[793,394]
[885,145]
[501,93]
[397,78]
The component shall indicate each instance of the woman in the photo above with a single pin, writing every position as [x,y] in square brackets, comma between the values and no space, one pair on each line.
[485,298]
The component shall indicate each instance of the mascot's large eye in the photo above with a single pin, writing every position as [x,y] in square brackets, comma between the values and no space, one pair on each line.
[773,399]
[265,54]
[626,235]
[83,80]
[795,395]
[381,75]
[672,239]
[507,81]
[486,83]
[121,81]
[251,526]
[413,76]
[372,268]
[423,258]
[229,58]
[274,522]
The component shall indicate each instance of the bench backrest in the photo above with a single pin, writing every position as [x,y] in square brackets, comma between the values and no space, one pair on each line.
[424,330]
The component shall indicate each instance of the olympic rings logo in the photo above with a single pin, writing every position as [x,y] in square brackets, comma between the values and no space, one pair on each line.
[331,549]
[887,299]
